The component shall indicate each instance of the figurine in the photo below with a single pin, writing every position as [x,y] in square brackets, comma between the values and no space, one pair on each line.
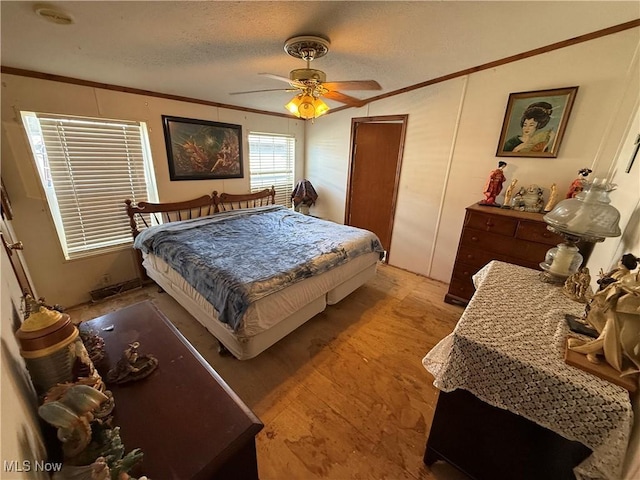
[615,314]
[131,366]
[94,345]
[107,444]
[518,200]
[553,198]
[509,194]
[578,286]
[71,414]
[579,183]
[104,458]
[626,264]
[493,186]
[31,305]
[58,391]
[528,199]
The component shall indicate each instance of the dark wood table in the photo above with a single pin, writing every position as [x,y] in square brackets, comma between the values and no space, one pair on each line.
[185,418]
[489,443]
[510,407]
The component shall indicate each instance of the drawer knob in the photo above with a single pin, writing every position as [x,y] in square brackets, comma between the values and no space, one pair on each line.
[475,239]
[489,223]
[470,256]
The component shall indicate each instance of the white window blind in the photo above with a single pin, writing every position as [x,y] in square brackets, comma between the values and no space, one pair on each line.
[271,161]
[88,168]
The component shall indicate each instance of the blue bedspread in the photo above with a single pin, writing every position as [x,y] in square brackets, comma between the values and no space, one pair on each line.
[235,258]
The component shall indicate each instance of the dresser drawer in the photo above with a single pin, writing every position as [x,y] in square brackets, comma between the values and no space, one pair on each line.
[491,223]
[464,273]
[498,245]
[476,257]
[459,289]
[489,242]
[537,232]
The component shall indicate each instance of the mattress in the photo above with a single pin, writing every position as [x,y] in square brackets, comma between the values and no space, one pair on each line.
[234,259]
[313,293]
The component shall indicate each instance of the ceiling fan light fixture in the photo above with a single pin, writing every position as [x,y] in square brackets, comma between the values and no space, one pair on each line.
[320,107]
[307,106]
[311,84]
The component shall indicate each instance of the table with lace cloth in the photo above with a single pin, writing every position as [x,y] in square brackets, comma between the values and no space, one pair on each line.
[508,351]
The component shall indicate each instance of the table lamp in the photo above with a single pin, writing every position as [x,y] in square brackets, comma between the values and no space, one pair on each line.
[587,217]
[303,196]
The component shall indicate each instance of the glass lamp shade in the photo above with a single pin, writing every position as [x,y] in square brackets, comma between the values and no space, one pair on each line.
[307,106]
[588,215]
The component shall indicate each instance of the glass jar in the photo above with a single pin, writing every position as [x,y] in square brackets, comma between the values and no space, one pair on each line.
[563,260]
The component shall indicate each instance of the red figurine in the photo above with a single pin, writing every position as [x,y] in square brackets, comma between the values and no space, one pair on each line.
[494,186]
[578,184]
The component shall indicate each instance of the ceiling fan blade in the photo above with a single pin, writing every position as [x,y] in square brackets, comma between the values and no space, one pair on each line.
[352,85]
[277,77]
[284,79]
[267,90]
[346,99]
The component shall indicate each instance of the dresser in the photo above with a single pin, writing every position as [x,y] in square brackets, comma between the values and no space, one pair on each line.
[492,233]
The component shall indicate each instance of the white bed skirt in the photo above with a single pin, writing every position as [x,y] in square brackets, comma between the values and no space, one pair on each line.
[273,317]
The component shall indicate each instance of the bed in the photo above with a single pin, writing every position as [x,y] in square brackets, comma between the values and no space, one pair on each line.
[249,271]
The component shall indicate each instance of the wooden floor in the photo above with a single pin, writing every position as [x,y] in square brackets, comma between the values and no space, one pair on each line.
[345,396]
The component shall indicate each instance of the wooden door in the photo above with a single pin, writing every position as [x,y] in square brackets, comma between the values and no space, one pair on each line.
[374,173]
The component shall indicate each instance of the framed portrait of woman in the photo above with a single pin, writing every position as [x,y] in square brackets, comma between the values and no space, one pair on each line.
[534,122]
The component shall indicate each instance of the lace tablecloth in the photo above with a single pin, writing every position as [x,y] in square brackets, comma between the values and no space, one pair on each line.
[508,350]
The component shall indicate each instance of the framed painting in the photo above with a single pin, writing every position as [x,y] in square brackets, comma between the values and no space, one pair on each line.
[202,150]
[534,123]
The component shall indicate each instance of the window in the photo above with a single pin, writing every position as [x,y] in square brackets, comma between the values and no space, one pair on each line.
[88,167]
[271,160]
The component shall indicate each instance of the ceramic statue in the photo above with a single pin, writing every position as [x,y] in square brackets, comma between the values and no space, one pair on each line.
[579,183]
[578,286]
[132,366]
[528,199]
[71,415]
[508,195]
[614,312]
[553,198]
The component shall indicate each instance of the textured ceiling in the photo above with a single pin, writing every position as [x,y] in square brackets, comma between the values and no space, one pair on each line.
[207,49]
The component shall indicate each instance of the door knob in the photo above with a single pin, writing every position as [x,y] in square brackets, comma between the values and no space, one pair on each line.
[12,246]
[15,246]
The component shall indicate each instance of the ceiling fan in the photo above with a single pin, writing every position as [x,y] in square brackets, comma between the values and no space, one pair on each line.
[311,84]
